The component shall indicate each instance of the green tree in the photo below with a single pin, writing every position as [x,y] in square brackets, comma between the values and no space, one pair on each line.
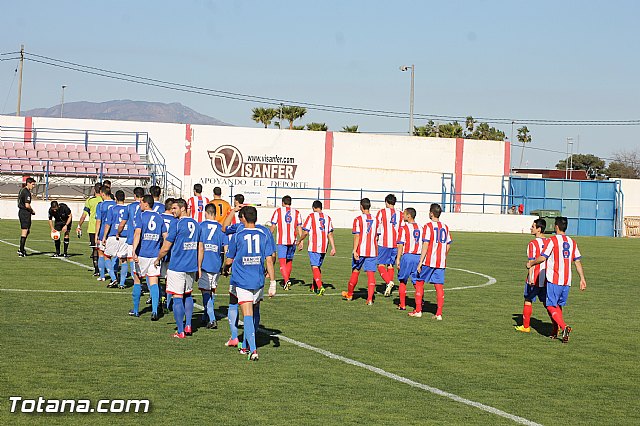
[486,133]
[292,113]
[296,127]
[524,137]
[582,162]
[317,127]
[264,115]
[350,129]
[469,125]
[428,130]
[626,165]
[450,130]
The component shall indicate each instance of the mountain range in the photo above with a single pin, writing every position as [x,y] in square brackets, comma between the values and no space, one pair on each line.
[127,110]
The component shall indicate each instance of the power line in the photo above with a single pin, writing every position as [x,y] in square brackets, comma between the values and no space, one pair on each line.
[15,73]
[320,107]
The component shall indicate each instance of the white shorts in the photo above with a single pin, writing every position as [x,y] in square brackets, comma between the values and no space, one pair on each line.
[115,247]
[246,296]
[146,268]
[208,281]
[180,282]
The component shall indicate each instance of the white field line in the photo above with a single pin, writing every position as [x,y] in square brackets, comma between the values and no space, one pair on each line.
[336,357]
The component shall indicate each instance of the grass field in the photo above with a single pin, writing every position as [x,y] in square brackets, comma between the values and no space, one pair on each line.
[83,345]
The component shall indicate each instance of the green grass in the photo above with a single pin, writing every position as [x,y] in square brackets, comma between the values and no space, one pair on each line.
[84,345]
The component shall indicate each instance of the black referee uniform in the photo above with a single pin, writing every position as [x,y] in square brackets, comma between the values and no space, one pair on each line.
[61,218]
[24,214]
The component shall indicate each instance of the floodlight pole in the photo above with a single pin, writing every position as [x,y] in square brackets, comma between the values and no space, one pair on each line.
[20,80]
[413,69]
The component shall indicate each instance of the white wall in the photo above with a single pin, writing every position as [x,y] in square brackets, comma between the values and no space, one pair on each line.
[631,191]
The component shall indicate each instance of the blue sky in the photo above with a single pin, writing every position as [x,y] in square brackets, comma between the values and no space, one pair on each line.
[567,60]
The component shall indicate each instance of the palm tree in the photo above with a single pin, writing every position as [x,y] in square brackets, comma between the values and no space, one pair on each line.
[292,113]
[264,115]
[317,127]
[469,124]
[524,137]
[350,129]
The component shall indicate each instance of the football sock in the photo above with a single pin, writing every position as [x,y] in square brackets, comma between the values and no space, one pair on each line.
[178,313]
[188,308]
[110,263]
[169,299]
[554,325]
[403,294]
[66,245]
[439,297]
[135,295]
[419,294]
[155,294]
[57,244]
[132,268]
[123,273]
[256,316]
[250,332]
[289,268]
[94,259]
[556,316]
[283,269]
[352,282]
[371,285]
[101,266]
[205,301]
[526,315]
[232,315]
[23,240]
[390,274]
[317,277]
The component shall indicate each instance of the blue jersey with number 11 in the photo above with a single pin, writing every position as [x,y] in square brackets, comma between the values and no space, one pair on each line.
[249,249]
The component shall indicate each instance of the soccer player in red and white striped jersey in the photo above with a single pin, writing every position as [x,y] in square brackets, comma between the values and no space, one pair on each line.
[408,256]
[433,260]
[534,286]
[197,203]
[389,221]
[319,228]
[558,253]
[365,251]
[288,222]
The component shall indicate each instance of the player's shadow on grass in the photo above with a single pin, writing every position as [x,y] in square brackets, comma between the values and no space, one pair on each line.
[541,327]
[267,336]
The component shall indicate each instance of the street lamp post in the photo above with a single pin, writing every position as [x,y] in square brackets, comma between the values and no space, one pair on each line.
[62,101]
[569,162]
[413,69]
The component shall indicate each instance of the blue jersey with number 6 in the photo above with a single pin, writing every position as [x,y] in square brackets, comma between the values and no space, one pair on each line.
[183,234]
[249,249]
[150,225]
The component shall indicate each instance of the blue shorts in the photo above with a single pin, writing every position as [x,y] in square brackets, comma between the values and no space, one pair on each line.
[316,259]
[408,267]
[431,275]
[286,251]
[557,294]
[387,256]
[369,263]
[533,291]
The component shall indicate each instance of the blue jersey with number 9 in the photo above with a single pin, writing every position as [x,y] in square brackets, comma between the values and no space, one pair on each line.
[183,234]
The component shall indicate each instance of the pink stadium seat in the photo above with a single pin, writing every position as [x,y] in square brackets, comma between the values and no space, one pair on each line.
[69,169]
[18,145]
[94,156]
[102,148]
[135,157]
[131,150]
[73,155]
[122,150]
[92,148]
[81,170]
[115,157]
[105,156]
[125,157]
[16,167]
[63,155]
[14,161]
[58,169]
[32,153]
[132,172]
[10,152]
[2,153]
[61,147]
[21,153]
[50,147]
[72,148]
[43,154]
[52,154]
[37,168]
[83,155]
[7,145]
[24,162]
[112,149]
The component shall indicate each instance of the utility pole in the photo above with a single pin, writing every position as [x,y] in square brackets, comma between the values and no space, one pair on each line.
[20,79]
[62,101]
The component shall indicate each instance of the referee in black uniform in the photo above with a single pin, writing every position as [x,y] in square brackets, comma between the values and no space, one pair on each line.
[24,213]
[60,219]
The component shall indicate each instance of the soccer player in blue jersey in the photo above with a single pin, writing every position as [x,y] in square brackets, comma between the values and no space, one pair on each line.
[102,212]
[231,230]
[182,240]
[248,251]
[147,242]
[211,245]
[168,219]
[155,192]
[116,248]
[127,223]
